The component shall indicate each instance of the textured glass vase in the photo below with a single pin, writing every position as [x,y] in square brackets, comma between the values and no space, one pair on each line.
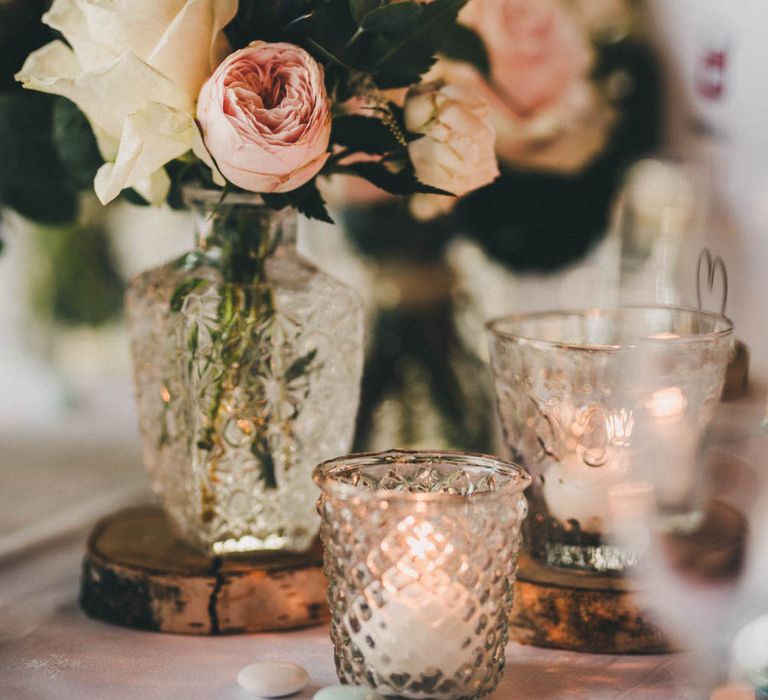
[420,554]
[247,363]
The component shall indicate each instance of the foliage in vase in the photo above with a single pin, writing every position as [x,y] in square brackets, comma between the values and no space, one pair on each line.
[573,95]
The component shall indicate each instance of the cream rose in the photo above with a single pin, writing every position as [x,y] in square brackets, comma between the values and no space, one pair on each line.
[456,153]
[135,68]
[265,117]
[546,112]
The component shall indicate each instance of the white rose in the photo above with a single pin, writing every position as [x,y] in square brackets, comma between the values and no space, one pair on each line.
[456,153]
[135,68]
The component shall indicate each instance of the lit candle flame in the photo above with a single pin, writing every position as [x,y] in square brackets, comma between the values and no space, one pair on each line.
[666,403]
[420,541]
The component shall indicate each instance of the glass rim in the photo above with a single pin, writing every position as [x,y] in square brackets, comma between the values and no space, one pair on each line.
[492,326]
[198,194]
[324,475]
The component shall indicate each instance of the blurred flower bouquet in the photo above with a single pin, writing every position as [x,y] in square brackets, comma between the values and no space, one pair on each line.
[575,100]
[572,96]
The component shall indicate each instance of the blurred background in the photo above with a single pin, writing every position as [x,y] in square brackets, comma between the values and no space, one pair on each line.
[606,200]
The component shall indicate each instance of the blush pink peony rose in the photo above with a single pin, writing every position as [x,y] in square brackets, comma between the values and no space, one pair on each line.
[537,48]
[547,113]
[265,117]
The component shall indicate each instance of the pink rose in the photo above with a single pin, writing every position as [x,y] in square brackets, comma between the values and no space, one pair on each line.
[561,137]
[547,113]
[265,117]
[537,48]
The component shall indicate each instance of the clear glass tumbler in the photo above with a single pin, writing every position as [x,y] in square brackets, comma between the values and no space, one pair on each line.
[583,395]
[420,554]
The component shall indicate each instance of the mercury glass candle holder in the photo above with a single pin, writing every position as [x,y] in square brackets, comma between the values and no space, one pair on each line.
[603,404]
[420,555]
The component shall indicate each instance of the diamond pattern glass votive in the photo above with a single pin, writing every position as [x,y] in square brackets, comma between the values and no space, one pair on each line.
[420,554]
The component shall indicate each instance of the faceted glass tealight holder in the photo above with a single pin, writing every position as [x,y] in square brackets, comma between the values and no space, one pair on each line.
[420,554]
[607,409]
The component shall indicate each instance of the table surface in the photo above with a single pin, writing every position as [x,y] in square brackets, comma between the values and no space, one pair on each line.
[50,649]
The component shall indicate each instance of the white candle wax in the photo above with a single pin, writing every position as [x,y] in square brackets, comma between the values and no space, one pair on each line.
[592,458]
[670,455]
[575,491]
[419,629]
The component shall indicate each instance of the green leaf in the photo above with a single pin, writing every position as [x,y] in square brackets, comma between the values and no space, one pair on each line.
[261,450]
[299,367]
[307,200]
[278,202]
[75,143]
[32,178]
[181,292]
[360,8]
[363,134]
[134,197]
[331,29]
[392,19]
[194,336]
[402,182]
[399,62]
[460,43]
[328,55]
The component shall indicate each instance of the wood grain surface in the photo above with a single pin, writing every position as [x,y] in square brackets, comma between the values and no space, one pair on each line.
[137,574]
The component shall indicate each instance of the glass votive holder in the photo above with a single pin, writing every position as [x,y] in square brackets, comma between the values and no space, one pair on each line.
[603,406]
[420,555]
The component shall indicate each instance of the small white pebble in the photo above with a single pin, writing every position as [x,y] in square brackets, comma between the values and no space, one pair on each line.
[272,679]
[346,692]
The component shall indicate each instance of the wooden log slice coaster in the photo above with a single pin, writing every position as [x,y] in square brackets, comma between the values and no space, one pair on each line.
[137,574]
[579,611]
[564,609]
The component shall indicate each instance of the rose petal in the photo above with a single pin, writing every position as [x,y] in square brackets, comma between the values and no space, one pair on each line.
[120,25]
[152,136]
[134,69]
[183,39]
[101,96]
[456,152]
[67,17]
[154,189]
[192,69]
[537,47]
